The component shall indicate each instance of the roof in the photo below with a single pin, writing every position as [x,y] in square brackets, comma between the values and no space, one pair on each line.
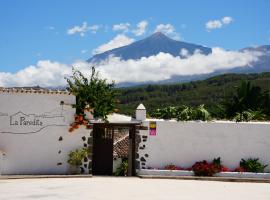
[120,147]
[141,107]
[116,118]
[36,89]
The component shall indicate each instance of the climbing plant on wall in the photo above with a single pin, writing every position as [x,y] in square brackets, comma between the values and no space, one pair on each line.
[92,93]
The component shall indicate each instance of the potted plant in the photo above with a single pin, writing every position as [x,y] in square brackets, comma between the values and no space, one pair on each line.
[75,159]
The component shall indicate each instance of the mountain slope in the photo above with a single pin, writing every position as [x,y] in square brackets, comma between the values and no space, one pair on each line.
[209,92]
[149,46]
[158,42]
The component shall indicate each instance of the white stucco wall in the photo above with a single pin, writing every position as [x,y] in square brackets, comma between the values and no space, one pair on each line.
[36,148]
[184,143]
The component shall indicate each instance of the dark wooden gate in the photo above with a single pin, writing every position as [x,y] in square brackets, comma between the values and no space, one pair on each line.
[102,150]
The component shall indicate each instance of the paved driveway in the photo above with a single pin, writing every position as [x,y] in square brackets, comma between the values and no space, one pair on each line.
[110,188]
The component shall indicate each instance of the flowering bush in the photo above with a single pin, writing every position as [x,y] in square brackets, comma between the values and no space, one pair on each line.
[203,168]
[79,120]
[172,167]
[224,169]
[239,169]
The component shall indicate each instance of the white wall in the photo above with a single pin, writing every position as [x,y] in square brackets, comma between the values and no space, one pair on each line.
[35,148]
[184,143]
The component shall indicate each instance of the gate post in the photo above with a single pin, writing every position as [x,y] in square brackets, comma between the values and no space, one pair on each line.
[131,151]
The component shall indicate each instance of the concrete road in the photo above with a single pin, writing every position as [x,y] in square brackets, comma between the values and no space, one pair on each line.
[110,188]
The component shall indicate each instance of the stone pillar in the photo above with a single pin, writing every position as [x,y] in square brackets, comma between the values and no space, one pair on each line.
[141,112]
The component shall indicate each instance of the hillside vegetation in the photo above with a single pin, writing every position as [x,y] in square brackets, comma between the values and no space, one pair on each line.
[210,92]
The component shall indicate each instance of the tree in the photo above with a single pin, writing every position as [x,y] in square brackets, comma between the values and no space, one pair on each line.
[247,97]
[93,93]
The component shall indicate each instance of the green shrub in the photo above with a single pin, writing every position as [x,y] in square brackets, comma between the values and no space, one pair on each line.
[249,115]
[252,165]
[200,113]
[76,157]
[122,170]
[183,113]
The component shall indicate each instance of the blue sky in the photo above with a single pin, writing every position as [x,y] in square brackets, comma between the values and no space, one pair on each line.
[33,30]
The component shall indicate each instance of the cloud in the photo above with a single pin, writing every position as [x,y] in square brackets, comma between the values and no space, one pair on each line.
[94,28]
[218,23]
[83,29]
[213,24]
[141,28]
[44,73]
[163,65]
[154,68]
[121,27]
[119,41]
[168,29]
[227,20]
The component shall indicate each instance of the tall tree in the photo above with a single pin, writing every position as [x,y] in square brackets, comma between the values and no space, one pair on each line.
[247,97]
[93,93]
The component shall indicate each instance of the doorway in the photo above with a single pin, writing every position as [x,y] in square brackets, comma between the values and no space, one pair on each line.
[102,150]
[103,144]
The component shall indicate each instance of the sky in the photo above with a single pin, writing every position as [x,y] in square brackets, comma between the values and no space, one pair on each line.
[38,34]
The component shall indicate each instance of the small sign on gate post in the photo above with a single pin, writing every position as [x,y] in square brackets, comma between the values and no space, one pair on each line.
[152,128]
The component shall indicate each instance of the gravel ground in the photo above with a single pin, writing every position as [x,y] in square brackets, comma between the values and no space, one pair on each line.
[113,188]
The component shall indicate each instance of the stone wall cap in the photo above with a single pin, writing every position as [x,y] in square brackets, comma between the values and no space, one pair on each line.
[141,107]
[33,90]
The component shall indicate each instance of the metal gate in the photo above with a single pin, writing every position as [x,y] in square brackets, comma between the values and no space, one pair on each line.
[102,150]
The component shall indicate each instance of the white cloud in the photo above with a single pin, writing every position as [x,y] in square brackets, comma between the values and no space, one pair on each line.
[94,28]
[44,73]
[119,41]
[227,20]
[121,27]
[83,29]
[168,29]
[154,68]
[184,53]
[163,66]
[218,23]
[141,28]
[213,24]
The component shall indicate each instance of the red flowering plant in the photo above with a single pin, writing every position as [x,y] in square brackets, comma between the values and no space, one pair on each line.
[239,169]
[203,168]
[172,167]
[224,169]
[79,120]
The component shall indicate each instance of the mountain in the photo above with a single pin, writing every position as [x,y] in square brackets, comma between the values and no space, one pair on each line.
[262,65]
[158,42]
[152,45]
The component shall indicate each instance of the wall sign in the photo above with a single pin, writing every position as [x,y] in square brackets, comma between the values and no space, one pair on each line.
[152,128]
[24,123]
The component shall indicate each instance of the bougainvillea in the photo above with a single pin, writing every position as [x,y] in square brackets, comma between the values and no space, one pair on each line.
[79,120]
